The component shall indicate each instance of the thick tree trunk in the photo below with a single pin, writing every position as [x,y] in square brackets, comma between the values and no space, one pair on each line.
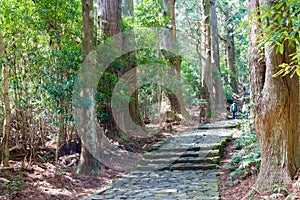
[175,60]
[87,164]
[230,53]
[7,112]
[128,10]
[110,11]
[219,97]
[276,110]
[206,75]
[231,60]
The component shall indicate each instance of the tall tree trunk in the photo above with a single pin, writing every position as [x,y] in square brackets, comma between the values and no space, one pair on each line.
[87,164]
[230,53]
[128,10]
[206,74]
[175,61]
[110,12]
[231,60]
[276,109]
[7,112]
[176,100]
[219,97]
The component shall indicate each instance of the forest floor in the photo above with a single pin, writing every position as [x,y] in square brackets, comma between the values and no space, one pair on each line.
[227,191]
[39,181]
[242,186]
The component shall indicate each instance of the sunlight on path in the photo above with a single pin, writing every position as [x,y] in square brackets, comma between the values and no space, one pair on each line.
[181,168]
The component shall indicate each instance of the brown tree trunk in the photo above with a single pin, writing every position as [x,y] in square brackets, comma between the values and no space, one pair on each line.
[219,97]
[87,164]
[231,60]
[128,10]
[230,54]
[206,74]
[276,110]
[175,60]
[176,100]
[7,111]
[110,12]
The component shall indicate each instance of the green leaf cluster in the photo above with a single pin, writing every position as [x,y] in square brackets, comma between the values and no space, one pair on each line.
[281,31]
[246,157]
[42,42]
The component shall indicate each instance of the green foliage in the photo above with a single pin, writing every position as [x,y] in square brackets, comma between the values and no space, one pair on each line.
[44,52]
[281,31]
[278,192]
[13,187]
[150,13]
[277,188]
[291,197]
[246,158]
[190,74]
[231,17]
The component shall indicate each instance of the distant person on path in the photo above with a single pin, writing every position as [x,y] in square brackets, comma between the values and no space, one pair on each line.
[245,111]
[233,109]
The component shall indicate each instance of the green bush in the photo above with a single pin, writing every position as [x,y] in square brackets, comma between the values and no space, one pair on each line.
[246,158]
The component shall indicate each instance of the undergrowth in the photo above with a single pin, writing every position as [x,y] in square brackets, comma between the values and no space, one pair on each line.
[246,157]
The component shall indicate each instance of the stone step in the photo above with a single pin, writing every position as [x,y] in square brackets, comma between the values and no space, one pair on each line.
[177,166]
[211,160]
[189,148]
[228,124]
[201,153]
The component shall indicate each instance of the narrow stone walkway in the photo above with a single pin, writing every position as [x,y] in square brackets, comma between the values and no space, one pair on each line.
[182,167]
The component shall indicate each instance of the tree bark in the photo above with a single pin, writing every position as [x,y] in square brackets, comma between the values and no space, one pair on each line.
[87,164]
[230,54]
[231,60]
[7,112]
[109,11]
[176,100]
[206,74]
[219,98]
[276,109]
[128,10]
[175,61]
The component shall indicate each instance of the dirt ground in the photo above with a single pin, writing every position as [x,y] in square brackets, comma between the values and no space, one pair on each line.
[238,191]
[39,181]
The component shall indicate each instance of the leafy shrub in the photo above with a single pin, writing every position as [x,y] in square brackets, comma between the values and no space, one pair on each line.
[246,158]
[13,187]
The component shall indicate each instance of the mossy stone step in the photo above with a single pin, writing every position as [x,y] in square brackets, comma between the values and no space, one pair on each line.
[209,160]
[177,166]
[202,153]
[228,124]
[189,148]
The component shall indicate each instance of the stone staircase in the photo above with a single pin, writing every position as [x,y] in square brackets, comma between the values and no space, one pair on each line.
[196,152]
[181,167]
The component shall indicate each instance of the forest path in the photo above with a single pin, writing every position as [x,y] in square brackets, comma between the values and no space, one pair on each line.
[182,167]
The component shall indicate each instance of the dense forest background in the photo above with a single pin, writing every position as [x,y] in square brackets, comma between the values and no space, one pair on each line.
[42,50]
[239,51]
